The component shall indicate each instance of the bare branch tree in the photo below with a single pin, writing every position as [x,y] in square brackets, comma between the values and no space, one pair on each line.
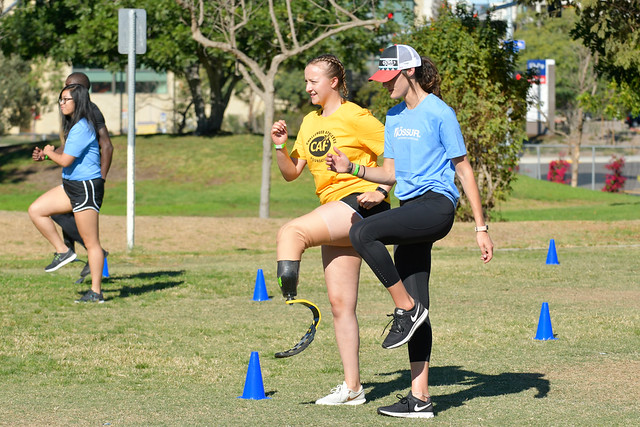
[226,18]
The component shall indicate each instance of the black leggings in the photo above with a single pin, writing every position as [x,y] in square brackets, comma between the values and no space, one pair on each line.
[412,228]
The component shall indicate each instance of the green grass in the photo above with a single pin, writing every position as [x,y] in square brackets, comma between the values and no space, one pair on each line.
[221,177]
[174,176]
[537,200]
[171,345]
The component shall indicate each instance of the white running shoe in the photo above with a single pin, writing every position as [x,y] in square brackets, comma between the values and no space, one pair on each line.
[341,395]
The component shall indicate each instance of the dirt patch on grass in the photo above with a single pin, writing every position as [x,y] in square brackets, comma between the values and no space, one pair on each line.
[206,234]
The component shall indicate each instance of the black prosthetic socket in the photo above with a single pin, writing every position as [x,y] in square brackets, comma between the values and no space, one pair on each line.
[288,278]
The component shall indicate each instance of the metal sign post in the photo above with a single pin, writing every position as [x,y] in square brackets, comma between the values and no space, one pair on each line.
[132,39]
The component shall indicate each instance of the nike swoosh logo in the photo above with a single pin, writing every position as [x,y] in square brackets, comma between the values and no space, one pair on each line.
[420,408]
[349,398]
[413,318]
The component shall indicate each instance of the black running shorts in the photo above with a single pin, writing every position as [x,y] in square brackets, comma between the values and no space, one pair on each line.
[84,194]
[352,201]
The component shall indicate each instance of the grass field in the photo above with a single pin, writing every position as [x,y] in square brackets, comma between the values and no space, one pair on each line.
[221,177]
[171,345]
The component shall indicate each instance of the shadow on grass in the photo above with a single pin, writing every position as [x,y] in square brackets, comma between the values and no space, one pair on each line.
[478,385]
[127,291]
[10,156]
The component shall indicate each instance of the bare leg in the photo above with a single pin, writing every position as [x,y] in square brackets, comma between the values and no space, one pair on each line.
[420,380]
[326,225]
[341,272]
[54,201]
[401,297]
[88,226]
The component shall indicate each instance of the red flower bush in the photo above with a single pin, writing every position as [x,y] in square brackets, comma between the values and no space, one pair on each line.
[614,181]
[557,171]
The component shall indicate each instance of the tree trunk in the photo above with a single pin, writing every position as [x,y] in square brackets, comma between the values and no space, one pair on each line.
[575,141]
[265,188]
[221,85]
[192,74]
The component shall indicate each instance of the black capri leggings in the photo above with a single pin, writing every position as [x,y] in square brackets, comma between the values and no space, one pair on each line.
[412,228]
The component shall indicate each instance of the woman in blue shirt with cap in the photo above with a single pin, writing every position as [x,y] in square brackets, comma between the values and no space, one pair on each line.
[424,150]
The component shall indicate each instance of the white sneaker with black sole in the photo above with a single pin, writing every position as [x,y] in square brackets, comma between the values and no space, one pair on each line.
[342,395]
[404,324]
[60,260]
[408,407]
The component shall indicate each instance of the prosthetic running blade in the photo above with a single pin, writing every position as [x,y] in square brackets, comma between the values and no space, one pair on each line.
[308,337]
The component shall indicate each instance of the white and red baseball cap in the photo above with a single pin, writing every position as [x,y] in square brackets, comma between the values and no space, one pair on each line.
[395,59]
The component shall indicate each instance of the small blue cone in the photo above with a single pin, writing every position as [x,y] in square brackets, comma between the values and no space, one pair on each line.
[253,386]
[105,268]
[545,331]
[260,290]
[552,256]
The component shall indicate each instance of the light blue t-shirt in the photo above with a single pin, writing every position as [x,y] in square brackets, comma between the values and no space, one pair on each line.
[82,144]
[422,143]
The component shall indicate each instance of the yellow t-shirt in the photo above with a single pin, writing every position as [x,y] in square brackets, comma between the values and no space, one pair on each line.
[352,129]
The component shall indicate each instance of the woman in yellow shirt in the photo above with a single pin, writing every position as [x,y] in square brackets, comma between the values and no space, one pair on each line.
[345,200]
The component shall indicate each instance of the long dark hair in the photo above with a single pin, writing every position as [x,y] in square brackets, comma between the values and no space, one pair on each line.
[334,68]
[428,77]
[83,109]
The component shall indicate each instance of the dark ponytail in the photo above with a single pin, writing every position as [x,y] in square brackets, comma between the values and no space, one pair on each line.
[428,77]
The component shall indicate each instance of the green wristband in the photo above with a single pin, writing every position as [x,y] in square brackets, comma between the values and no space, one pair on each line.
[46,157]
[356,169]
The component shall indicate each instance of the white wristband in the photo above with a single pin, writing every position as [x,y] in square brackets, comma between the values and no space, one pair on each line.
[482,228]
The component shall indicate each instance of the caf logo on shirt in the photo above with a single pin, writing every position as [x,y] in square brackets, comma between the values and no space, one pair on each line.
[320,143]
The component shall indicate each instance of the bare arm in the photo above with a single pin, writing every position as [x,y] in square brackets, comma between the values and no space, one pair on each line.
[106,151]
[470,187]
[62,159]
[290,167]
[382,175]
[38,153]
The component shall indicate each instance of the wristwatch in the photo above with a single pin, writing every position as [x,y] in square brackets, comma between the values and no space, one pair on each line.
[279,146]
[482,228]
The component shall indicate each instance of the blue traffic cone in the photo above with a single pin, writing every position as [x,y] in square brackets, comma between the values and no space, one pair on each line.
[105,268]
[545,331]
[552,256]
[260,290]
[253,386]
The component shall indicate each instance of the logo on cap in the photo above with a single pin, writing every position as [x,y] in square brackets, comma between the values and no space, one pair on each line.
[388,64]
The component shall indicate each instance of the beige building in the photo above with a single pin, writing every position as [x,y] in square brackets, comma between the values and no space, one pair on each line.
[154,101]
[157,99]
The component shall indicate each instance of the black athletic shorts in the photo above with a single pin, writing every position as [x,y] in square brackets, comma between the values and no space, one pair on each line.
[352,201]
[84,194]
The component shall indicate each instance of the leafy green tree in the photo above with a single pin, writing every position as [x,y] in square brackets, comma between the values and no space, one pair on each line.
[478,82]
[262,36]
[547,37]
[580,89]
[19,94]
[610,30]
[86,33]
